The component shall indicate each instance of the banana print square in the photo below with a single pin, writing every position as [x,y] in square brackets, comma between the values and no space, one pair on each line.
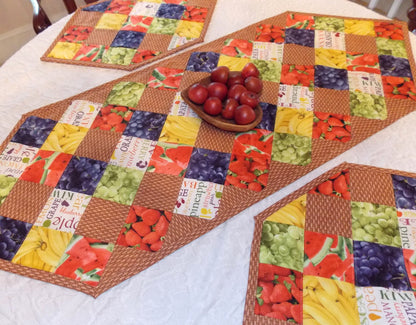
[65,138]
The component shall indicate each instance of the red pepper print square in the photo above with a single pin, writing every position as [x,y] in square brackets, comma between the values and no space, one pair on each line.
[298,75]
[388,30]
[363,62]
[300,21]
[270,33]
[398,87]
[279,293]
[195,13]
[337,185]
[143,55]
[329,256]
[112,118]
[76,34]
[145,228]
[329,126]
[165,78]
[238,48]
[170,158]
[46,168]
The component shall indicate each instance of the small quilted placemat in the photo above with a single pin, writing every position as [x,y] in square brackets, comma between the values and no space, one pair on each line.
[98,187]
[340,250]
[126,34]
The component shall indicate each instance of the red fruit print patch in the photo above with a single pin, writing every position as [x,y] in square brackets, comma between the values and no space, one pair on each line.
[388,30]
[120,7]
[331,126]
[270,33]
[170,158]
[363,62]
[195,13]
[76,34]
[137,23]
[112,118]
[256,143]
[300,21]
[337,185]
[398,87]
[329,256]
[165,78]
[145,228]
[237,48]
[91,53]
[143,55]
[298,75]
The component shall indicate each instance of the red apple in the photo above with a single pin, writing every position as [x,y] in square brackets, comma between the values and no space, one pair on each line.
[217,89]
[253,84]
[235,91]
[229,108]
[249,98]
[244,114]
[198,93]
[213,106]
[220,74]
[250,70]
[234,77]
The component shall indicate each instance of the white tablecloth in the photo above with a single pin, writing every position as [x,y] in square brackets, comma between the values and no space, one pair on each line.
[204,282]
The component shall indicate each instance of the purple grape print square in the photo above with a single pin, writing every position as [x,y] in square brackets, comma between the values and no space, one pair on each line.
[145,125]
[34,131]
[128,38]
[203,61]
[404,192]
[208,165]
[331,78]
[393,66]
[304,37]
[82,175]
[99,7]
[380,266]
[12,234]
[269,116]
[170,11]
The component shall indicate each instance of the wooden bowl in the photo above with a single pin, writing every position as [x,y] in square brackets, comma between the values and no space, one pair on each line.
[218,121]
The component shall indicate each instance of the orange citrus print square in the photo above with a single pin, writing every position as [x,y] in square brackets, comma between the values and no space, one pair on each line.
[270,33]
[237,48]
[170,158]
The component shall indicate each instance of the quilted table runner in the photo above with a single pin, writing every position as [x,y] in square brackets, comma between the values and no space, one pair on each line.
[98,187]
[340,250]
[126,34]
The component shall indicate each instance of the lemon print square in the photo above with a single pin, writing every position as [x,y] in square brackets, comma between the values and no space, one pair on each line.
[233,63]
[180,129]
[64,50]
[189,29]
[331,58]
[111,21]
[359,27]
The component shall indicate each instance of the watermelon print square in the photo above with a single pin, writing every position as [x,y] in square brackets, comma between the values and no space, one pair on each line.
[208,165]
[34,131]
[137,23]
[90,53]
[127,38]
[202,61]
[165,78]
[169,158]
[145,125]
[237,48]
[12,234]
[388,30]
[304,37]
[82,175]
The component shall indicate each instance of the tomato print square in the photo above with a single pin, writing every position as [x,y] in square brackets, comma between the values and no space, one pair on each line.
[13,233]
[363,62]
[76,34]
[165,78]
[298,75]
[389,30]
[170,158]
[126,94]
[112,118]
[128,39]
[248,172]
[202,61]
[392,66]
[133,152]
[145,125]
[143,55]
[34,131]
[137,23]
[120,7]
[296,97]
[270,33]
[365,82]
[330,126]
[237,48]
[85,260]
[46,167]
[398,87]
[65,138]
[294,121]
[199,199]
[255,143]
[269,116]
[329,256]
[195,13]
[267,51]
[81,113]
[379,266]
[15,158]
[300,21]
[63,210]
[90,53]
[292,149]
[180,129]
[145,228]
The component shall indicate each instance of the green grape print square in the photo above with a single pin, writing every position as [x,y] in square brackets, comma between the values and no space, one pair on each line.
[118,55]
[368,106]
[163,26]
[330,24]
[292,149]
[119,184]
[386,46]
[269,70]
[126,94]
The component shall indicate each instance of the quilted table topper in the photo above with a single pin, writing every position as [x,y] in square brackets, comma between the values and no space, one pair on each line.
[126,34]
[340,250]
[98,187]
